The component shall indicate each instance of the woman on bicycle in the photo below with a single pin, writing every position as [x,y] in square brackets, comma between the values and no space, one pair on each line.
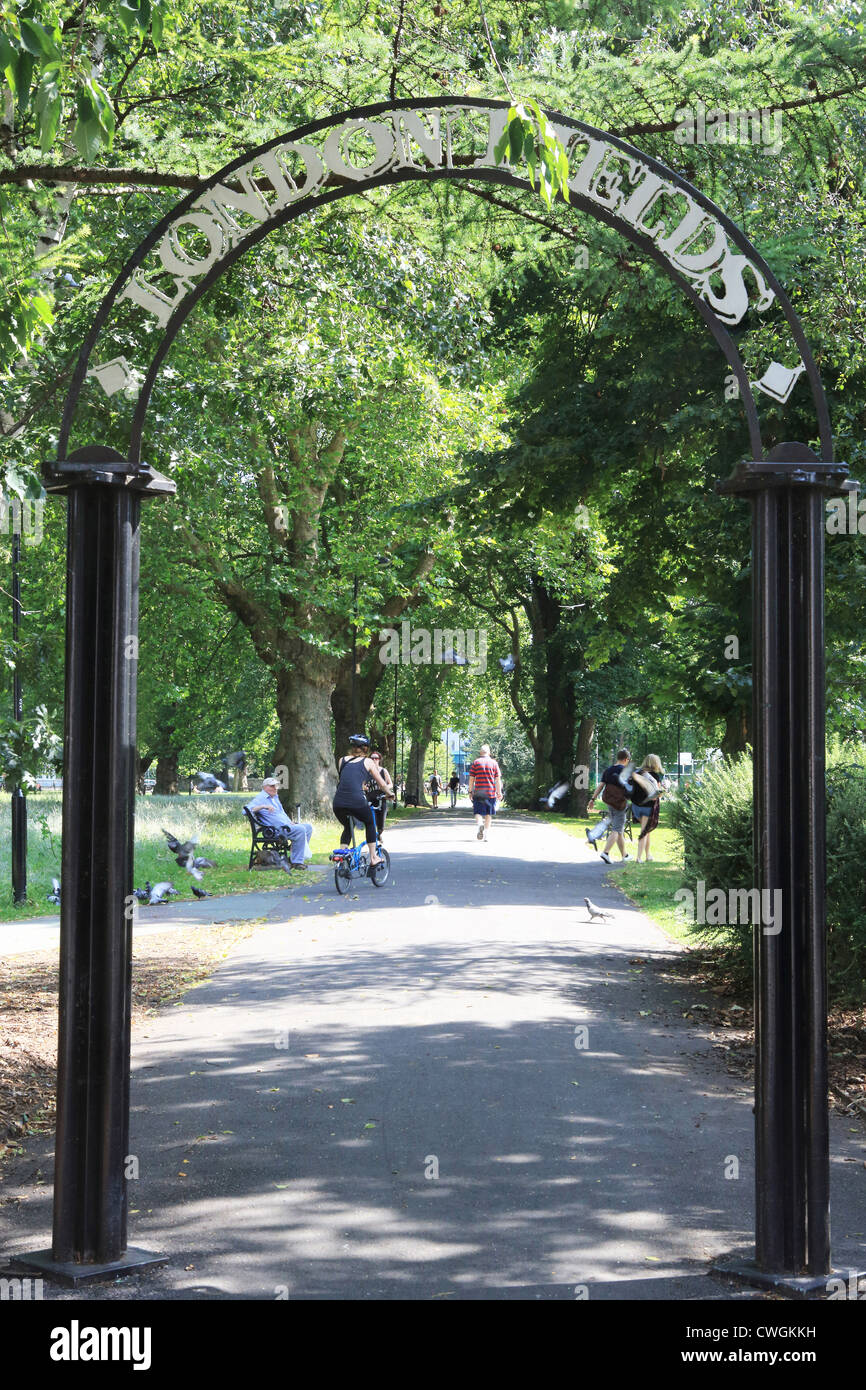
[373,794]
[349,799]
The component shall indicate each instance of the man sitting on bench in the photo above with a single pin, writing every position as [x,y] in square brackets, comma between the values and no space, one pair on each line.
[267,808]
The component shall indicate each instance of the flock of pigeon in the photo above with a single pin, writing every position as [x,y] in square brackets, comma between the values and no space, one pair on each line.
[158,894]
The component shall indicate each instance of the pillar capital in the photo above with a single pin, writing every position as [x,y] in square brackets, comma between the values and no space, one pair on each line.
[97,465]
[767,476]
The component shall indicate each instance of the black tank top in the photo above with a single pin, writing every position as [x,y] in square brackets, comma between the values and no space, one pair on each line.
[353,775]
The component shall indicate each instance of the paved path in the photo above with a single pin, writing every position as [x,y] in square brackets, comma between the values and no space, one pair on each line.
[43,933]
[381,1097]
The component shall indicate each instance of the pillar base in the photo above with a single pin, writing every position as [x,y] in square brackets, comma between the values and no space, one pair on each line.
[72,1273]
[789,1285]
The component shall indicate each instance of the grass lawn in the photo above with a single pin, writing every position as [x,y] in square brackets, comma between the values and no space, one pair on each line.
[651,887]
[218,821]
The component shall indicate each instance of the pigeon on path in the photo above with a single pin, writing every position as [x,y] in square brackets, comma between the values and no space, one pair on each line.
[201,892]
[596,911]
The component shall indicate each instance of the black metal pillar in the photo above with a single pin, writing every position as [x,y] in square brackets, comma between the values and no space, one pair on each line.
[19,801]
[92,1145]
[792,1165]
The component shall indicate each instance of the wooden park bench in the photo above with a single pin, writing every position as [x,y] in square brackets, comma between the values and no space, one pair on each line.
[264,837]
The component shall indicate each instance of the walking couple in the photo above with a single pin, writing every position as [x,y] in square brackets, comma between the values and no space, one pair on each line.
[620,784]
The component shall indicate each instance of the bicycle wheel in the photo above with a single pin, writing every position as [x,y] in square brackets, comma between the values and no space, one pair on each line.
[380,873]
[343,876]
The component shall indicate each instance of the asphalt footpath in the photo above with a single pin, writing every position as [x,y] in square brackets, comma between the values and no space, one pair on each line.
[456,1086]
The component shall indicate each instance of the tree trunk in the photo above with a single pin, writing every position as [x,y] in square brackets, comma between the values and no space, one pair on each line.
[736,731]
[580,794]
[415,789]
[304,746]
[166,775]
[383,739]
[368,679]
[143,762]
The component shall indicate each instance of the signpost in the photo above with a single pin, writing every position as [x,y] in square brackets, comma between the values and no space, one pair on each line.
[729,286]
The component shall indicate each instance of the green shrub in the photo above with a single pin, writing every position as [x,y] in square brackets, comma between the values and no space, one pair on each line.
[846,878]
[521,792]
[714,818]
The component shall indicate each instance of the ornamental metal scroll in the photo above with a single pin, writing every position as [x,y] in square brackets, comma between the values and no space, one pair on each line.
[703,252]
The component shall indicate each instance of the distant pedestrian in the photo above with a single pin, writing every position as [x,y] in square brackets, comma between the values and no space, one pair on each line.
[646,809]
[616,800]
[435,785]
[453,788]
[485,788]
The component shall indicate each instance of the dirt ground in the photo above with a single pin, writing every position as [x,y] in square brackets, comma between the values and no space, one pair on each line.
[730,1016]
[165,966]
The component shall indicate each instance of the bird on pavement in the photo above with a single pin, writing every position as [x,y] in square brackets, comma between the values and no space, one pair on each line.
[54,895]
[161,892]
[596,911]
[201,892]
[143,894]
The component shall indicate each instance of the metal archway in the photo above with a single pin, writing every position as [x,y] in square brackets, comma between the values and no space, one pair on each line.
[723,276]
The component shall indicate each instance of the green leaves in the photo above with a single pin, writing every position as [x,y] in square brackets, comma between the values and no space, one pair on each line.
[144,16]
[27,748]
[48,104]
[40,66]
[39,42]
[529,137]
[95,124]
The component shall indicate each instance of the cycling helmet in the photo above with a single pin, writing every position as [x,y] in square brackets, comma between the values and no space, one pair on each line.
[359,741]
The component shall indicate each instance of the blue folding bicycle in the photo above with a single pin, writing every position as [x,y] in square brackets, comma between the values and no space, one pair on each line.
[354,861]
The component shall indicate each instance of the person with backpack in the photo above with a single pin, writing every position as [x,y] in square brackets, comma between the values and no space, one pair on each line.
[435,785]
[616,799]
[649,788]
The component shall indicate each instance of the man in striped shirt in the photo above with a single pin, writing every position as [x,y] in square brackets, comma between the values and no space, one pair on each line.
[485,789]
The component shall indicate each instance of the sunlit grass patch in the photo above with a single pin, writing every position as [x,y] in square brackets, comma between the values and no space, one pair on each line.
[224,836]
[650,886]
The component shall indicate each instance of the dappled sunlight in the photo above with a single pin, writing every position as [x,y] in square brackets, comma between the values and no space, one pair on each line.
[390,1102]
